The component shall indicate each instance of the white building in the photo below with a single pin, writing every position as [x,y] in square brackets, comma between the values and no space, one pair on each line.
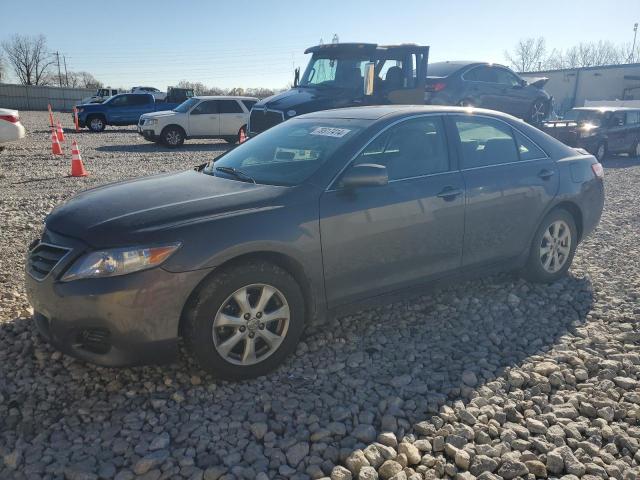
[571,87]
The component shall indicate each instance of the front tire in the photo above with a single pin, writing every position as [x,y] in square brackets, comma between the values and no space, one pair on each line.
[96,124]
[172,137]
[553,247]
[634,152]
[245,320]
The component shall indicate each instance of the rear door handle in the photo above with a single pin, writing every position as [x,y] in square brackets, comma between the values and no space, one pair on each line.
[546,174]
[449,193]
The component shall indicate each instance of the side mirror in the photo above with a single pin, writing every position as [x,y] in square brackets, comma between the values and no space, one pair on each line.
[365,175]
[369,73]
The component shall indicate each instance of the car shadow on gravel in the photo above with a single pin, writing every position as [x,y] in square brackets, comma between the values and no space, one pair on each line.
[153,147]
[380,369]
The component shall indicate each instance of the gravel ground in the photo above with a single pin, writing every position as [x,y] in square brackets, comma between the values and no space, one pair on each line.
[494,378]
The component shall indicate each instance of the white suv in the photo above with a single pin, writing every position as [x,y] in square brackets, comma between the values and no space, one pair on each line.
[199,117]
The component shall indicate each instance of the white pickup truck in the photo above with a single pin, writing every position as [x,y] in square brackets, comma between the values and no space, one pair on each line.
[101,95]
[223,117]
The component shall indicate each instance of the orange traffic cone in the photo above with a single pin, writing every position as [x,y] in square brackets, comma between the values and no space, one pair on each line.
[56,149]
[77,167]
[60,133]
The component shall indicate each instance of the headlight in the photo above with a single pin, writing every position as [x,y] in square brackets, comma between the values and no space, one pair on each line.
[588,130]
[291,113]
[150,121]
[119,261]
[80,110]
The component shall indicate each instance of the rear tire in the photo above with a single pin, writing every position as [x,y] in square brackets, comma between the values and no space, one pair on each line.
[635,150]
[172,137]
[552,248]
[261,333]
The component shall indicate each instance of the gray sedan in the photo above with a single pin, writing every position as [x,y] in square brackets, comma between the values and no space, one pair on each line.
[328,211]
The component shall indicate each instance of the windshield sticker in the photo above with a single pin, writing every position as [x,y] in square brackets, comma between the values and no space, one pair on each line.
[330,132]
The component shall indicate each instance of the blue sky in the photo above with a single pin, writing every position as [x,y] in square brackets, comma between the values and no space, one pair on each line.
[252,43]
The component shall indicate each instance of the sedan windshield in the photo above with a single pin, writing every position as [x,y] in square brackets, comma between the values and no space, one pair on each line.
[287,154]
[584,116]
[185,106]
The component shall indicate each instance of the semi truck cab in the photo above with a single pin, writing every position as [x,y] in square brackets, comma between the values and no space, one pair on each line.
[345,75]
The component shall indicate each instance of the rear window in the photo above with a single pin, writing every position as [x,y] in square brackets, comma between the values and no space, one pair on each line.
[441,69]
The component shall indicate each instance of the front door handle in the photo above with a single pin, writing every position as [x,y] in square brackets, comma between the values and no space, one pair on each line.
[546,174]
[449,193]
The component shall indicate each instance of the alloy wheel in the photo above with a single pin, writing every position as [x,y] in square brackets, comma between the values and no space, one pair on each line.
[600,153]
[96,124]
[173,137]
[637,150]
[555,246]
[251,324]
[538,112]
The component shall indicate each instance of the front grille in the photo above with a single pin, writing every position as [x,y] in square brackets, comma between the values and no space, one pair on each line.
[261,120]
[43,258]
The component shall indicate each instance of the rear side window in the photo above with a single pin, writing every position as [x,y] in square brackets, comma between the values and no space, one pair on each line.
[527,149]
[139,100]
[633,118]
[485,142]
[482,74]
[411,149]
[229,106]
[249,103]
[121,101]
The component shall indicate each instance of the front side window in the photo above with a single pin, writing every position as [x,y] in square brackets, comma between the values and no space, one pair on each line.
[485,142]
[413,148]
[206,107]
[633,118]
[618,119]
[121,101]
[335,72]
[286,154]
[229,106]
[594,117]
[249,104]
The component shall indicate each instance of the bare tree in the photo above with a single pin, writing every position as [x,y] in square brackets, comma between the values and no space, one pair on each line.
[527,55]
[83,80]
[29,58]
[2,67]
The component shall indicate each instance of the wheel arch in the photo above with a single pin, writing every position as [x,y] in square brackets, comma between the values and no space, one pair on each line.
[286,262]
[574,211]
[174,125]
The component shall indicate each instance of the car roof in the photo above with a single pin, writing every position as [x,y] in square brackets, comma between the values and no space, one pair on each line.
[465,63]
[223,97]
[377,112]
[364,47]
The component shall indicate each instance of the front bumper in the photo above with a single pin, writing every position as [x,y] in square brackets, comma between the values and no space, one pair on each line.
[148,133]
[127,320]
[11,132]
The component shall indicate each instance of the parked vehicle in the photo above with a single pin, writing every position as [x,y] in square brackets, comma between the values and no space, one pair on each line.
[123,109]
[199,117]
[11,129]
[178,95]
[348,74]
[157,94]
[101,95]
[321,213]
[487,85]
[599,130]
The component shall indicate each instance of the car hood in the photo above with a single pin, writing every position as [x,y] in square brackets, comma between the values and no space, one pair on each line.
[145,209]
[306,100]
[163,113]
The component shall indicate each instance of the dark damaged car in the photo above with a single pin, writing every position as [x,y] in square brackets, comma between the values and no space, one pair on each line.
[323,213]
[599,130]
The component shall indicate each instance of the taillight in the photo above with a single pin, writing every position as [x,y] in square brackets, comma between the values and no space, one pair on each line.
[10,118]
[436,87]
[598,171]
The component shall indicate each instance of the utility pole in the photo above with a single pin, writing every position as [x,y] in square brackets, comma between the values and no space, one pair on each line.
[66,75]
[59,73]
[633,49]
